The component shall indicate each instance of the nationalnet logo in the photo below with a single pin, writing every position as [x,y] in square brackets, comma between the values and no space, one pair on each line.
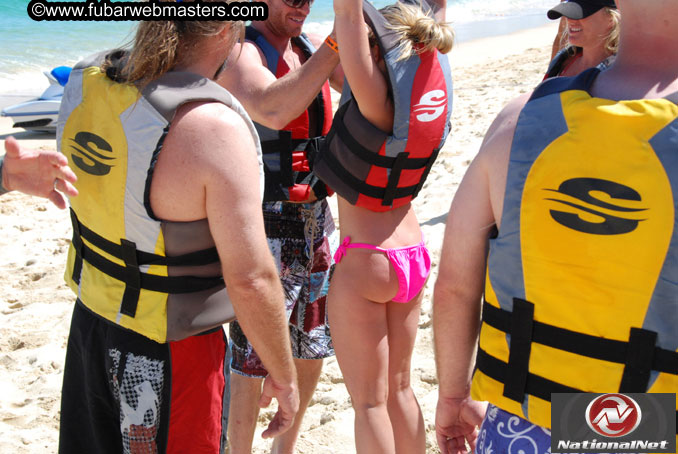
[613,415]
[613,423]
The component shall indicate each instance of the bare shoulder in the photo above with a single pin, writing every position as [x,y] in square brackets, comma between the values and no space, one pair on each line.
[200,117]
[497,142]
[210,132]
[490,167]
[243,57]
[248,53]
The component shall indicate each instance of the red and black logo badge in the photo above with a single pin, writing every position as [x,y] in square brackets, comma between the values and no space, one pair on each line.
[613,415]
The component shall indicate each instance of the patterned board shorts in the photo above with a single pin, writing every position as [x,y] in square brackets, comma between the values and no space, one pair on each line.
[302,239]
[504,432]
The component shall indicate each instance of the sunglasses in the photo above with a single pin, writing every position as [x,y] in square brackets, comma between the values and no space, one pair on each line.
[297,3]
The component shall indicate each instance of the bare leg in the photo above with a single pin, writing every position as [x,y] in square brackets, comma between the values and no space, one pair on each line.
[359,332]
[308,373]
[243,413]
[403,409]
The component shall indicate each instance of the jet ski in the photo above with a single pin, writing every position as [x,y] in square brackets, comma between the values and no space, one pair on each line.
[40,114]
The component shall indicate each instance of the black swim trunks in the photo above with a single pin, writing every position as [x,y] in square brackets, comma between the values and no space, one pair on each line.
[125,393]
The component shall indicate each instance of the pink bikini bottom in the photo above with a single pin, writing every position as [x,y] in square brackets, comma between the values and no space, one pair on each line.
[412,265]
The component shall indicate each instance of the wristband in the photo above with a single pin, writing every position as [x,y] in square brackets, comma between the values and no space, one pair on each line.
[2,188]
[332,44]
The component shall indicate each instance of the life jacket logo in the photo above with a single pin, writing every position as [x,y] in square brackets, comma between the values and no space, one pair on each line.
[582,189]
[431,106]
[613,415]
[87,158]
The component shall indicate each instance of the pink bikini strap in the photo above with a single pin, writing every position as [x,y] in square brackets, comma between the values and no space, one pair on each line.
[347,244]
[341,250]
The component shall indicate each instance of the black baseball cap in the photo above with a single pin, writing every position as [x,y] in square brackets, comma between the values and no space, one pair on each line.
[578,9]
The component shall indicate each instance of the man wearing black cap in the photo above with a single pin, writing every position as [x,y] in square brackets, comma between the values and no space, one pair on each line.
[591,31]
[528,273]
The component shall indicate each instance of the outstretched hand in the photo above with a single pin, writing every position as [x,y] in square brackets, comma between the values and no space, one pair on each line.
[288,406]
[457,422]
[35,172]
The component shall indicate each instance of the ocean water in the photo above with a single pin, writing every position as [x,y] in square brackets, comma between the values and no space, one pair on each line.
[27,47]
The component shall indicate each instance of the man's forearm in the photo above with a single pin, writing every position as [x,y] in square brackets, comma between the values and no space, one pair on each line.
[288,97]
[455,332]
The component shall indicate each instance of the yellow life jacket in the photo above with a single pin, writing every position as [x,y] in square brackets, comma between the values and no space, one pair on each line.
[158,278]
[581,291]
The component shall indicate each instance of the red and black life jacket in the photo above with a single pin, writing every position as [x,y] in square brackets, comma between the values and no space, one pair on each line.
[381,171]
[558,64]
[287,173]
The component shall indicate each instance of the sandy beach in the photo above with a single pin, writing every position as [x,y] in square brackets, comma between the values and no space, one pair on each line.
[36,305]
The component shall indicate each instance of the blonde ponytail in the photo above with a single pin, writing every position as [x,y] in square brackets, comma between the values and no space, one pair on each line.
[417,28]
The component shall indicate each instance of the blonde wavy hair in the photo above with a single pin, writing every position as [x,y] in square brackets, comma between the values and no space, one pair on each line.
[159,46]
[416,28]
[612,39]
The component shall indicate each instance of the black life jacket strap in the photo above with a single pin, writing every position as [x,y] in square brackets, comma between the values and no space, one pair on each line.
[395,165]
[394,178]
[362,187]
[77,246]
[366,154]
[522,323]
[135,280]
[639,355]
[282,149]
[131,277]
[534,384]
[197,258]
